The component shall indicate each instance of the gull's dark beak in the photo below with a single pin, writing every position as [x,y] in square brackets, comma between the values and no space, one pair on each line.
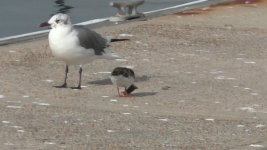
[44,24]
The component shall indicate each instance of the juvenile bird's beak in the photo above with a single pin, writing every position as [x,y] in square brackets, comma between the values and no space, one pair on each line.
[44,24]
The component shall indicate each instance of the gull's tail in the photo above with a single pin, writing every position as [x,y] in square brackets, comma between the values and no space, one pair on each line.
[118,40]
[111,39]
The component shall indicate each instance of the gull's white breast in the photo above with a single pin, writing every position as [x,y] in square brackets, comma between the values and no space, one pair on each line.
[65,46]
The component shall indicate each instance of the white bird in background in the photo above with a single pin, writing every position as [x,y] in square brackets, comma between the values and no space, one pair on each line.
[76,44]
[123,77]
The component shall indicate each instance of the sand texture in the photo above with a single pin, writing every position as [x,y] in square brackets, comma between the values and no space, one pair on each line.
[201,78]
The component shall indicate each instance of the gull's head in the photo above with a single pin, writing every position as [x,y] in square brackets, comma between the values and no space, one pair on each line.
[57,20]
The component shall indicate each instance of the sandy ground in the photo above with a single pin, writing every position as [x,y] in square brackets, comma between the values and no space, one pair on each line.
[201,78]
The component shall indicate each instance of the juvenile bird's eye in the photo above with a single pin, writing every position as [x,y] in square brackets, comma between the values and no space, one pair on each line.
[57,21]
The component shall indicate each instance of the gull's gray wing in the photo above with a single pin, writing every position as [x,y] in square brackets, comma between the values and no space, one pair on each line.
[91,39]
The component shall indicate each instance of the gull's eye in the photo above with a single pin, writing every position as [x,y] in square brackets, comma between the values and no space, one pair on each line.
[57,20]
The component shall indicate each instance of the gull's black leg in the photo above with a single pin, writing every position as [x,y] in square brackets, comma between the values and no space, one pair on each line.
[64,85]
[80,79]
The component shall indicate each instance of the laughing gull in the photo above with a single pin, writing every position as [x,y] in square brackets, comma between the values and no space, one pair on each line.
[123,77]
[76,44]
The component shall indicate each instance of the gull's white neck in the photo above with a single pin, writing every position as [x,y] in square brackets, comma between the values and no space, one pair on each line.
[61,39]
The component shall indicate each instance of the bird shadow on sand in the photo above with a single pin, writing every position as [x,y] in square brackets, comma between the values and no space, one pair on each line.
[108,82]
[101,82]
[143,94]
